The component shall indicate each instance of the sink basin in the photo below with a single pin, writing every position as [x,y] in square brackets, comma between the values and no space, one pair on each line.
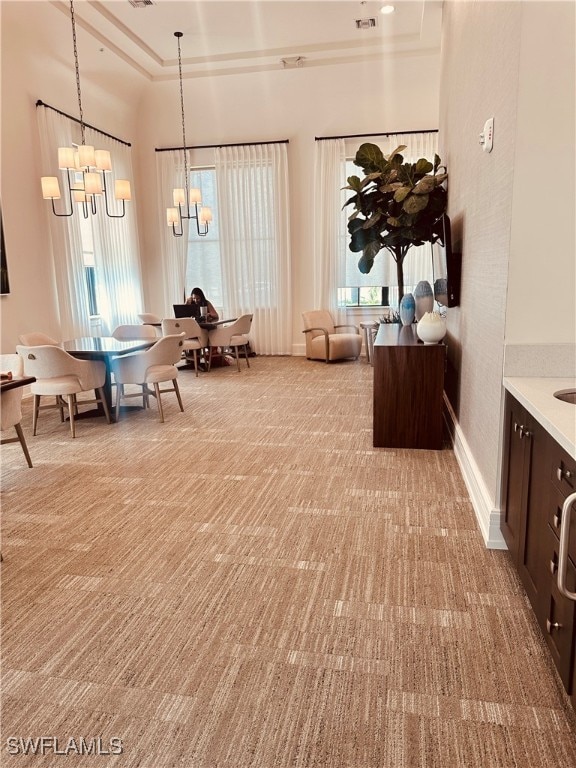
[568,395]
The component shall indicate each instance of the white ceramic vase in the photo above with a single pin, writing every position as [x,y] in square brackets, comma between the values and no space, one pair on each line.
[431,328]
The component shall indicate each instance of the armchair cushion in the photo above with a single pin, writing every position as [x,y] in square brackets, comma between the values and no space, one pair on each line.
[327,341]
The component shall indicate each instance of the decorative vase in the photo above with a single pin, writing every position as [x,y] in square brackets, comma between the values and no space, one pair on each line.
[441,291]
[407,309]
[424,298]
[431,328]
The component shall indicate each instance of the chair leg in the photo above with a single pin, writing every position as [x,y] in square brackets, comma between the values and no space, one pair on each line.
[20,434]
[177,390]
[119,391]
[60,404]
[158,398]
[210,358]
[102,398]
[237,358]
[71,411]
[35,413]
[246,355]
[195,352]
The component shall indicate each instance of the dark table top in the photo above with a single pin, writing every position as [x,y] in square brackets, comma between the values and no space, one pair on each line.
[105,345]
[16,381]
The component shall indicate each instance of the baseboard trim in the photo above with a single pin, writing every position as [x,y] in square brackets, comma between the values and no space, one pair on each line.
[487,516]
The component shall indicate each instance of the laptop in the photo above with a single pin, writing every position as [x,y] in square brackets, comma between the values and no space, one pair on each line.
[184,310]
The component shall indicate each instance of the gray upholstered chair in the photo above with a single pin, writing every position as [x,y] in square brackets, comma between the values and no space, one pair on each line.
[58,373]
[11,406]
[328,342]
[233,336]
[151,366]
[196,337]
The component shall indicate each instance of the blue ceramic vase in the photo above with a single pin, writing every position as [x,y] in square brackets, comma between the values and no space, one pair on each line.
[407,309]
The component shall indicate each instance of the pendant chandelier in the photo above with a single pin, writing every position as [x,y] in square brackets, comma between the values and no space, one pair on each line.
[84,168]
[187,202]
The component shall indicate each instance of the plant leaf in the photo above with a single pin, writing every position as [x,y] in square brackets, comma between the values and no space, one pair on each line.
[425,186]
[415,203]
[401,194]
[372,220]
[369,157]
[424,166]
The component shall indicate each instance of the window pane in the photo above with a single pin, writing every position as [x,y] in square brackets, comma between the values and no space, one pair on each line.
[203,268]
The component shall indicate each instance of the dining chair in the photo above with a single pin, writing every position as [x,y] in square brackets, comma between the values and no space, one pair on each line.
[196,338]
[327,341]
[58,373]
[151,366]
[131,332]
[231,336]
[11,405]
[36,339]
[149,318]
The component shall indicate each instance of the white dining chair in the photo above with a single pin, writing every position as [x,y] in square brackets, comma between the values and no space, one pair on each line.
[151,366]
[11,405]
[131,332]
[35,339]
[233,336]
[58,373]
[196,337]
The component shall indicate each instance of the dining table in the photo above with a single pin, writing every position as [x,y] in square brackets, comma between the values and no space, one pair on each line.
[104,348]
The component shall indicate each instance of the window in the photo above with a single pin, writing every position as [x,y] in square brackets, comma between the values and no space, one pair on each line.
[203,267]
[89,265]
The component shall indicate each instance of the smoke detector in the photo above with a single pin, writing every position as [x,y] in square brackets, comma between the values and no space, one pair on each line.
[369,23]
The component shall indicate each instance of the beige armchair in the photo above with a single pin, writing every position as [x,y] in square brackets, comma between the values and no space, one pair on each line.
[196,337]
[152,366]
[58,373]
[328,342]
[11,406]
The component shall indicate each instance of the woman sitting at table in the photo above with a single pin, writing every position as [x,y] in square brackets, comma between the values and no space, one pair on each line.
[199,301]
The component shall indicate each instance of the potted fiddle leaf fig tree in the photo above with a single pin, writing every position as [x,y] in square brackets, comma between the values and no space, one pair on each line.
[397,205]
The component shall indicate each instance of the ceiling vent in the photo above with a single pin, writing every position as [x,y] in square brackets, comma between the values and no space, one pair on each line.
[140,3]
[366,23]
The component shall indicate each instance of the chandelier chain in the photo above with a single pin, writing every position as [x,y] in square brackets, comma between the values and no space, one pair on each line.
[78,89]
[178,36]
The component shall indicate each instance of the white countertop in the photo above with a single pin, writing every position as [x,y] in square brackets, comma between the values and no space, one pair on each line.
[556,416]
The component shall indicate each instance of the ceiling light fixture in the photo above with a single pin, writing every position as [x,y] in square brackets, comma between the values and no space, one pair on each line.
[386,9]
[85,167]
[187,202]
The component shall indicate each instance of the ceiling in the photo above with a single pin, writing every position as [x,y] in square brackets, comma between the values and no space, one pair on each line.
[230,36]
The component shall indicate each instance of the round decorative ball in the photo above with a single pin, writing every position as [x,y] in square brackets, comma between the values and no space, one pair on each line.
[407,309]
[424,298]
[431,328]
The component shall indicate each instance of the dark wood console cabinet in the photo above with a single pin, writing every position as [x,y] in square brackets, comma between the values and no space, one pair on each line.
[539,476]
[408,389]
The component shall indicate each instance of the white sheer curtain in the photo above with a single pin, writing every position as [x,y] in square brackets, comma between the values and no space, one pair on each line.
[65,243]
[330,227]
[253,204]
[116,251]
[174,250]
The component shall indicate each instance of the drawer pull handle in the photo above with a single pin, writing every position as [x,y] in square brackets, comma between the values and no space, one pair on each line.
[556,520]
[553,567]
[563,548]
[563,474]
[550,627]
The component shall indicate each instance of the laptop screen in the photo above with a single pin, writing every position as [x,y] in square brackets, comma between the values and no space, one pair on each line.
[185,310]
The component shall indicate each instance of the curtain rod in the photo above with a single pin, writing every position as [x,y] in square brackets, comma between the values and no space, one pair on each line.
[40,103]
[367,135]
[215,146]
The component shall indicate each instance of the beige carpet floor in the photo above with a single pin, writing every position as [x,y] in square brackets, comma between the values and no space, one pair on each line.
[252,585]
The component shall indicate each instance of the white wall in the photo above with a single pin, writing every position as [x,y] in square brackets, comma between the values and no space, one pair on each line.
[513,209]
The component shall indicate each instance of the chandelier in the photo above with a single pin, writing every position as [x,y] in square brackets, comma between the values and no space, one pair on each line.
[187,202]
[84,168]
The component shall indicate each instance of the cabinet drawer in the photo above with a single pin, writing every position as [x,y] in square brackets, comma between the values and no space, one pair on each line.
[555,519]
[563,469]
[560,614]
